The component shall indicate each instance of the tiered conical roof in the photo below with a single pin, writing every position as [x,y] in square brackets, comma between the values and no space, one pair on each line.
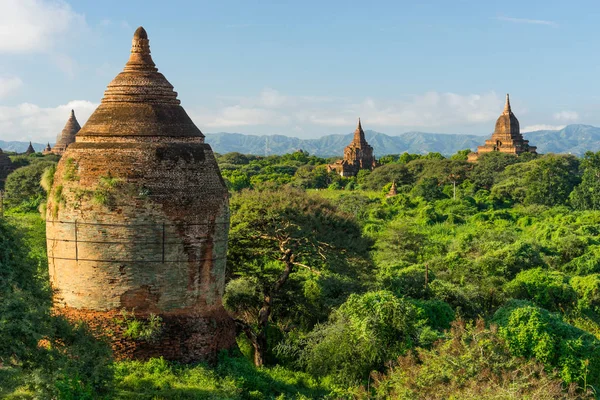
[507,124]
[30,149]
[67,136]
[140,101]
[359,136]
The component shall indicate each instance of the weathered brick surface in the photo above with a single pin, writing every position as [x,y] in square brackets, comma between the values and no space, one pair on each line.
[185,338]
[138,219]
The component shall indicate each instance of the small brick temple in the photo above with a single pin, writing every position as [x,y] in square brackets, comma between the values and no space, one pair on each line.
[506,138]
[357,155]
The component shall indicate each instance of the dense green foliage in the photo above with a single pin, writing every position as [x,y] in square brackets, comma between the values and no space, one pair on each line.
[476,281]
[23,187]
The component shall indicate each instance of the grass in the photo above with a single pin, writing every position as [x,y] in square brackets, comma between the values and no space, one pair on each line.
[232,378]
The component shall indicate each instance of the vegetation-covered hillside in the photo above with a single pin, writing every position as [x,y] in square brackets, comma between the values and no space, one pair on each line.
[476,281]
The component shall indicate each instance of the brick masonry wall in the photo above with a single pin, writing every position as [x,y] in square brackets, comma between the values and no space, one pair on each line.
[142,225]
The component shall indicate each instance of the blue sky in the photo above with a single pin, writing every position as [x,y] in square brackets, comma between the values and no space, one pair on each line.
[308,68]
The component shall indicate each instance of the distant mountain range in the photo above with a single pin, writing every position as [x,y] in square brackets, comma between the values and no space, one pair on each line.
[575,139]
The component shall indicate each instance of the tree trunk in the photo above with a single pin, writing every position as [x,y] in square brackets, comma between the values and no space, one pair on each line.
[259,341]
[260,348]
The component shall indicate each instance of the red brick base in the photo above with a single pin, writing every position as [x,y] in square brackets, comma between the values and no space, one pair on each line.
[184,337]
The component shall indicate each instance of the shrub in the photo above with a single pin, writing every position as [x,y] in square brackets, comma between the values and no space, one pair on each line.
[23,186]
[533,332]
[362,335]
[547,289]
[404,281]
[588,292]
[473,363]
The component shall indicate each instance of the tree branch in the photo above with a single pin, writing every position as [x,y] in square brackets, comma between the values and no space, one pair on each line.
[314,271]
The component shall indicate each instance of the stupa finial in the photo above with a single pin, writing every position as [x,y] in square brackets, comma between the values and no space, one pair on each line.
[140,58]
[507,105]
[140,33]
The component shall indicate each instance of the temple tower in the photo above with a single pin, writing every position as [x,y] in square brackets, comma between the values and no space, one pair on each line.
[137,221]
[357,155]
[30,149]
[393,190]
[506,138]
[67,136]
[47,150]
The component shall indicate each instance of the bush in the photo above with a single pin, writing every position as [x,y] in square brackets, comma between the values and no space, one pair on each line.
[404,281]
[23,186]
[547,289]
[362,335]
[473,363]
[588,292]
[533,332]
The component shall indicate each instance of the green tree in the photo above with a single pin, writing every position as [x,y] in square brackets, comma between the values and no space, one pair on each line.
[386,174]
[552,179]
[586,195]
[274,237]
[461,155]
[489,166]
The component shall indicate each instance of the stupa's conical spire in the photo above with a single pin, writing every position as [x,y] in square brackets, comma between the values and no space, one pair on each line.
[30,149]
[67,135]
[507,109]
[359,134]
[140,80]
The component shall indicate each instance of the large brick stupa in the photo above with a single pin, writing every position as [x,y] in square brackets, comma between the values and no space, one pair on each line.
[137,222]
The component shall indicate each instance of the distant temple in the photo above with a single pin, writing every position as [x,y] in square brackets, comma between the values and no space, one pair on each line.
[30,149]
[506,138]
[47,150]
[357,155]
[393,190]
[67,136]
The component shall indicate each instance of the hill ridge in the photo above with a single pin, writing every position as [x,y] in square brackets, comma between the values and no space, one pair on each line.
[574,139]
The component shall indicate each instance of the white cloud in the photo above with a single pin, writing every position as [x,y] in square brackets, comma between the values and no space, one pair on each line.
[28,121]
[35,25]
[566,116]
[429,110]
[528,21]
[541,127]
[9,85]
